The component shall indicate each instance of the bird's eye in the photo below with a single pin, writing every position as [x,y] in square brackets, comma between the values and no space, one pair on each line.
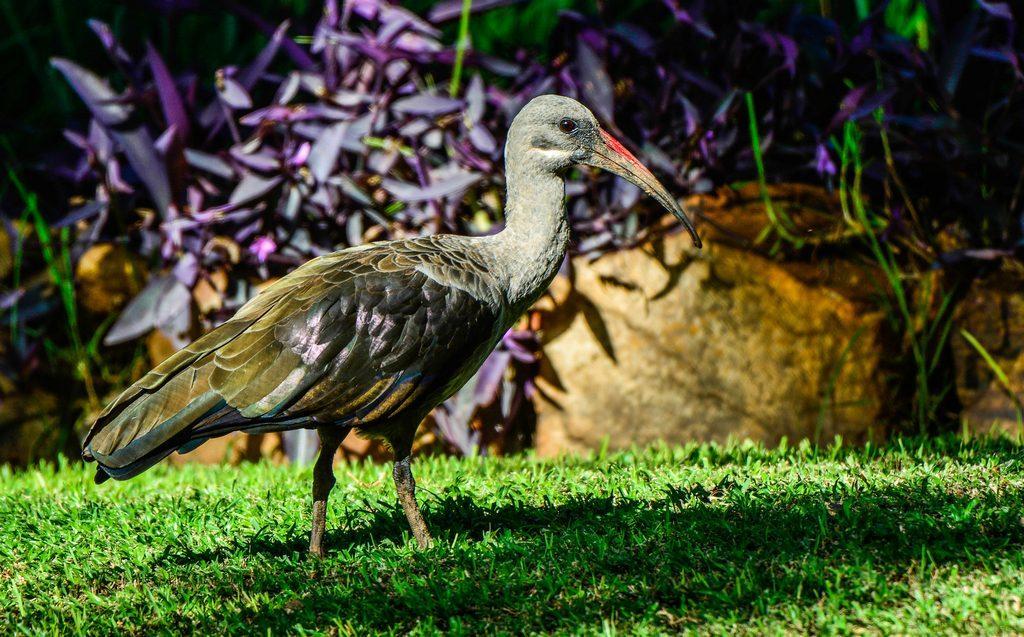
[567,125]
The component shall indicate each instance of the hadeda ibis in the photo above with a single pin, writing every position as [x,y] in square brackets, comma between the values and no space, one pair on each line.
[372,337]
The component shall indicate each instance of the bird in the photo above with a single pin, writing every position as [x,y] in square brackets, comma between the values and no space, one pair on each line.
[373,337]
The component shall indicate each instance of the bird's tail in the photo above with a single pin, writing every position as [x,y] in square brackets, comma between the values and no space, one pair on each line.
[125,447]
[152,419]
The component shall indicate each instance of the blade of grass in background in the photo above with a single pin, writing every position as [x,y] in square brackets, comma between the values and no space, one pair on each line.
[460,48]
[828,400]
[925,332]
[1004,380]
[781,220]
[57,259]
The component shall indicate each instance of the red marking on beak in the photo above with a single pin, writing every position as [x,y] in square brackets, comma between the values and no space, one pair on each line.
[617,147]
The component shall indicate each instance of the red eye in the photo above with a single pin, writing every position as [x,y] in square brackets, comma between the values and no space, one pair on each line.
[567,125]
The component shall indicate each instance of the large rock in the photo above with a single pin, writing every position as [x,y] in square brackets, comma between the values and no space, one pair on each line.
[108,276]
[234,449]
[991,313]
[662,342]
[30,427]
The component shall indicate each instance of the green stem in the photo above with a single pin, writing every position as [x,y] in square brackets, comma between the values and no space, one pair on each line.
[460,48]
[755,144]
[58,266]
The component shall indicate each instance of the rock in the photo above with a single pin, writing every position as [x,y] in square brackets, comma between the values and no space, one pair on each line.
[234,448]
[991,312]
[661,342]
[30,427]
[108,276]
[159,347]
[208,299]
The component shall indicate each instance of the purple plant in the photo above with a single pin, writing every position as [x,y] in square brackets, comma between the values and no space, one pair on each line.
[289,165]
[308,149]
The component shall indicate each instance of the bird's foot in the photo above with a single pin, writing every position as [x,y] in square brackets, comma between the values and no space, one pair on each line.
[423,539]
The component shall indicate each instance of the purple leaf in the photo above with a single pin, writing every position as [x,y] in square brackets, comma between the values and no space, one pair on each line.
[848,104]
[99,142]
[411,193]
[95,92]
[694,19]
[255,69]
[209,163]
[428,105]
[287,91]
[476,100]
[790,51]
[81,213]
[451,9]
[956,52]
[294,51]
[454,419]
[165,142]
[76,139]
[213,115]
[186,269]
[278,113]
[162,298]
[978,254]
[170,100]
[722,112]
[389,14]
[325,151]
[636,37]
[595,83]
[233,94]
[173,314]
[261,161]
[488,379]
[355,131]
[109,42]
[301,154]
[997,9]
[253,186]
[482,139]
[9,297]
[134,141]
[869,105]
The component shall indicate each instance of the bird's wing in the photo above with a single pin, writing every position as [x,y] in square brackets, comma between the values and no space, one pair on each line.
[349,338]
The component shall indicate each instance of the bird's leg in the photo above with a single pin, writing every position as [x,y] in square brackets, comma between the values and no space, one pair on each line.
[323,482]
[406,486]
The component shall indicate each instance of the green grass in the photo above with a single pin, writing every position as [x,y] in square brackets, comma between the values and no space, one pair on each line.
[908,538]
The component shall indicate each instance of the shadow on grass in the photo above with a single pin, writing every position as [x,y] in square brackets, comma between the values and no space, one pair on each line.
[693,555]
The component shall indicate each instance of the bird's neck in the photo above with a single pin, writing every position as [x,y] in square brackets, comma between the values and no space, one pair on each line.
[532,245]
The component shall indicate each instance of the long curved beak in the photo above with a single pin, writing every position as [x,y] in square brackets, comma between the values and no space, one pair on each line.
[611,155]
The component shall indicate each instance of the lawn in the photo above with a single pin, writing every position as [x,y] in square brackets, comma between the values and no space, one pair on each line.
[911,537]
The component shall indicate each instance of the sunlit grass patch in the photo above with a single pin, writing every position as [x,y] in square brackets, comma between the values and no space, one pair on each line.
[910,537]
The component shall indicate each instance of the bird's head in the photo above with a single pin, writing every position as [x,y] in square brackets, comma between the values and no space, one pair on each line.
[557,132]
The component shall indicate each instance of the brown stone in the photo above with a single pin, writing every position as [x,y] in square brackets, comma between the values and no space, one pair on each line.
[29,427]
[159,347]
[737,216]
[208,299]
[108,276]
[233,448]
[993,313]
[662,342]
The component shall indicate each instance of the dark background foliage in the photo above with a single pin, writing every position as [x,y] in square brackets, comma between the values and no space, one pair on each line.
[228,142]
